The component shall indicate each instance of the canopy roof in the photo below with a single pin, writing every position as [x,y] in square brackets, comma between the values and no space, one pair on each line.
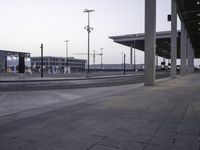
[137,41]
[189,13]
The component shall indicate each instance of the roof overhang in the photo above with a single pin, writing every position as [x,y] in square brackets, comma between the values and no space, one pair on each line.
[137,41]
[189,13]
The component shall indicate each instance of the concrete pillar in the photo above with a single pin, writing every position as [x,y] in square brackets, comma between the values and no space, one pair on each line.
[173,38]
[183,49]
[193,57]
[150,42]
[188,55]
[190,58]
[157,62]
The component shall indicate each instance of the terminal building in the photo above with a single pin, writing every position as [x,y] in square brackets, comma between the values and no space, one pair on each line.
[117,67]
[10,61]
[162,49]
[58,64]
[174,44]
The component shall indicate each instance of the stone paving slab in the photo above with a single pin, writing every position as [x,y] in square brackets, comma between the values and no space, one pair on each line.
[163,117]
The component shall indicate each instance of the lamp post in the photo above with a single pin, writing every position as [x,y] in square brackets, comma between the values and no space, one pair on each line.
[101,58]
[122,57]
[41,61]
[65,68]
[134,58]
[124,63]
[89,29]
[131,55]
[94,54]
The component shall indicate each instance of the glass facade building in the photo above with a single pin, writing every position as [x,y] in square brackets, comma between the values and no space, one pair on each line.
[9,61]
[57,64]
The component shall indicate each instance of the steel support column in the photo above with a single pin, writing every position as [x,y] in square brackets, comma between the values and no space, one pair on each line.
[150,42]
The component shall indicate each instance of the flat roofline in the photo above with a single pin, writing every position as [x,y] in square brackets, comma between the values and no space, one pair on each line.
[141,35]
[8,51]
[57,57]
[137,41]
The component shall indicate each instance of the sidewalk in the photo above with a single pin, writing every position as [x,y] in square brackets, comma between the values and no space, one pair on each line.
[162,117]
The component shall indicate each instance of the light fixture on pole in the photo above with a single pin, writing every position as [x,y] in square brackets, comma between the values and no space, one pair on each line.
[89,29]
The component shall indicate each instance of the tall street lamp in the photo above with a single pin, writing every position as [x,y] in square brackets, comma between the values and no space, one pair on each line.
[66,66]
[89,29]
[101,54]
[134,57]
[42,63]
[122,57]
[124,63]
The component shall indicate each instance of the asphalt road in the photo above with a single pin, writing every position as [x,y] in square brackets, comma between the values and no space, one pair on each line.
[52,84]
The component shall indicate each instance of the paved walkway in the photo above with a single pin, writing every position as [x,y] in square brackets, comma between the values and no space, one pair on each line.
[72,76]
[130,117]
[30,84]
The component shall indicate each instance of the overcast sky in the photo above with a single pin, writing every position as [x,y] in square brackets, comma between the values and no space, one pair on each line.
[27,23]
